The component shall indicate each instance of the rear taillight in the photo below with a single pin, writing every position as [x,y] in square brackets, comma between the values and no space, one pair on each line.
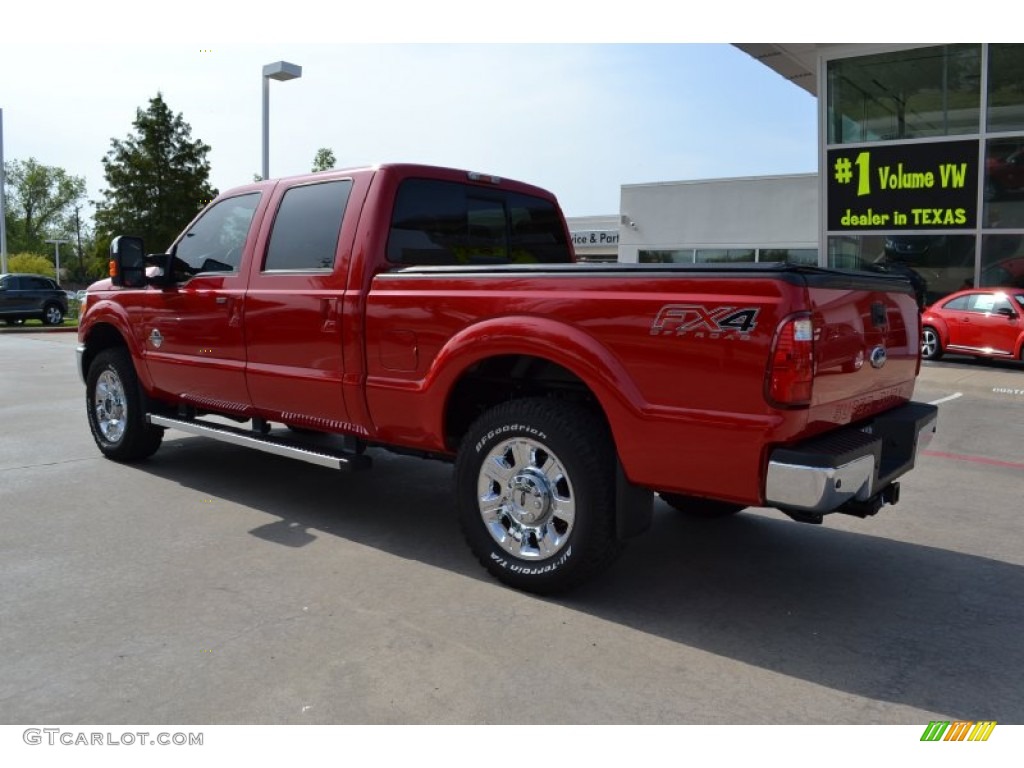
[790,376]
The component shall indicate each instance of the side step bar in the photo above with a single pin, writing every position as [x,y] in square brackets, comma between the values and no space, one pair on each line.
[265,443]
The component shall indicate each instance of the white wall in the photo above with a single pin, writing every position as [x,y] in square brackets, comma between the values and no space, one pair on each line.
[769,211]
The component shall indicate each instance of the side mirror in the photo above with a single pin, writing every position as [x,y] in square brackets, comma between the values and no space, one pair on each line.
[1006,312]
[164,263]
[127,262]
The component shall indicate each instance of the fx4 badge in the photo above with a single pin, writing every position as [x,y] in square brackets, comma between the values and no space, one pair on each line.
[705,322]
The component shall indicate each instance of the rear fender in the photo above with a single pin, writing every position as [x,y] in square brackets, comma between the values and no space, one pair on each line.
[539,337]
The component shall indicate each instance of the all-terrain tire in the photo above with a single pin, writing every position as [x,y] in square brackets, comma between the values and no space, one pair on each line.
[535,484]
[115,404]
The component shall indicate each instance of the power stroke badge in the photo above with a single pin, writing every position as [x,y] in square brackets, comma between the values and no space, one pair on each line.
[701,321]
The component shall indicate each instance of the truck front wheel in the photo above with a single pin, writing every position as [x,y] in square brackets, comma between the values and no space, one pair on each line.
[114,402]
[535,483]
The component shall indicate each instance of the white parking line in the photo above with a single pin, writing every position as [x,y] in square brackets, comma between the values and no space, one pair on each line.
[946,399]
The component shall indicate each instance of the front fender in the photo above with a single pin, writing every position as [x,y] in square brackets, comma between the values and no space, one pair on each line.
[103,318]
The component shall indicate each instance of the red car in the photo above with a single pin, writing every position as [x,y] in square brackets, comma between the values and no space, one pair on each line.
[985,322]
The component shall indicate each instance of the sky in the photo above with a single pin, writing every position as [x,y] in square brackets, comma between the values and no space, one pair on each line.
[579,98]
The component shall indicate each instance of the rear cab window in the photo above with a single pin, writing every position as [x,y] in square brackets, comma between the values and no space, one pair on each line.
[446,223]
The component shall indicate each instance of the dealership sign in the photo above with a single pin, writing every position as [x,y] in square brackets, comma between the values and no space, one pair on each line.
[907,186]
[595,237]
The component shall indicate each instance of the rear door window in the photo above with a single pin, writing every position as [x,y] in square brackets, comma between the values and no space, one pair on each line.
[306,228]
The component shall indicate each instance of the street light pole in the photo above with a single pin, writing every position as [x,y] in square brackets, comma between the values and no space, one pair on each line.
[279,70]
[3,209]
[56,255]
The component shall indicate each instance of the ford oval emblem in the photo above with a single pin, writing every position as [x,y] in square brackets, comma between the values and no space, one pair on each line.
[878,357]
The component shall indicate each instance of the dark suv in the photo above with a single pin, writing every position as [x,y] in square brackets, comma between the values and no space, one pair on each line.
[24,297]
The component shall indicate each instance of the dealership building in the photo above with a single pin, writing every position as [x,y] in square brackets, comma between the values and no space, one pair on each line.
[921,166]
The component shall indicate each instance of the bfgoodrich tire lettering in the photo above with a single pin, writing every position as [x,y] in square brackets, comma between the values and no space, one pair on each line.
[115,407]
[535,483]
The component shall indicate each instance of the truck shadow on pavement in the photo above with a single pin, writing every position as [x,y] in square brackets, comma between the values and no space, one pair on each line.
[888,620]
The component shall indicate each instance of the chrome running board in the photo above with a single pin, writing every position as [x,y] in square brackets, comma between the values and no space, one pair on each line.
[265,443]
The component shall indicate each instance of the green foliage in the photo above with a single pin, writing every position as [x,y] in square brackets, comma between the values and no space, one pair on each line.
[30,263]
[158,179]
[39,203]
[324,160]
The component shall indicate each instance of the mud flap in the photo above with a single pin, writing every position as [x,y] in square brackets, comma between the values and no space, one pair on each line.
[634,506]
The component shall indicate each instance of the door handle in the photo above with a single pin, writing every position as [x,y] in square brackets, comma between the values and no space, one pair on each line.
[329,315]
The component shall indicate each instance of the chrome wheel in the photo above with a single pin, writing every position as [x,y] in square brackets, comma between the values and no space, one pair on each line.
[109,406]
[526,499]
[929,343]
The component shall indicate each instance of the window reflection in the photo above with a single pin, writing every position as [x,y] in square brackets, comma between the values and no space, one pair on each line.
[1004,183]
[678,256]
[932,91]
[1005,87]
[936,265]
[1002,261]
[724,255]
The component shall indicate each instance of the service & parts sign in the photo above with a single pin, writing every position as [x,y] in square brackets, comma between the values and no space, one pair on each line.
[909,186]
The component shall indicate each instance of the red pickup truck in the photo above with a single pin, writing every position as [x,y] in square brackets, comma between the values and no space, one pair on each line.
[439,313]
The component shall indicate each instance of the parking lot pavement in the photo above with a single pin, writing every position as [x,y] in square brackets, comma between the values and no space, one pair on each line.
[217,585]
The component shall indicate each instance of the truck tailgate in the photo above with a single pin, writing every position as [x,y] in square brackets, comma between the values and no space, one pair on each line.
[867,342]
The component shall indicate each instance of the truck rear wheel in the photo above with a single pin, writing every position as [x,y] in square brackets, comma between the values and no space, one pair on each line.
[114,403]
[535,483]
[698,507]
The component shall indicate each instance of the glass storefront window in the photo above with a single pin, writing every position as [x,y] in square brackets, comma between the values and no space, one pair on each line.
[936,265]
[1002,261]
[789,255]
[1004,183]
[724,255]
[1005,87]
[683,256]
[933,91]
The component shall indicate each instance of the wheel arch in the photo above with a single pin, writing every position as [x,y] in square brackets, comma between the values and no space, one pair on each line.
[562,363]
[502,360]
[939,325]
[98,337]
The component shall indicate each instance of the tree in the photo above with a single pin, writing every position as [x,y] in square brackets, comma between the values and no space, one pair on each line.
[31,263]
[40,200]
[158,179]
[324,160]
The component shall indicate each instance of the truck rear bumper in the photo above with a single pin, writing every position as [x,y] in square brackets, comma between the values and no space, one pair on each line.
[854,464]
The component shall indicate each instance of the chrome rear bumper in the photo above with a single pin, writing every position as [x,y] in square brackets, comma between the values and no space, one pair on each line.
[855,464]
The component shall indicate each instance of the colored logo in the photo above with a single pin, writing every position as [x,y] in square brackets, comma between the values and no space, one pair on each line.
[960,730]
